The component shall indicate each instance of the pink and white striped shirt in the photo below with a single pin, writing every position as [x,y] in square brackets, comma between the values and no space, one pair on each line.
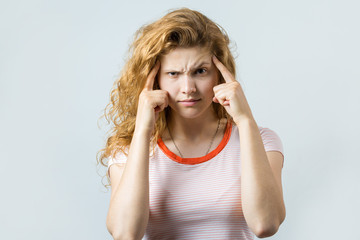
[199,198]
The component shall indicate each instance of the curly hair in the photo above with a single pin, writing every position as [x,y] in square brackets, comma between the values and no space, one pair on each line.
[179,28]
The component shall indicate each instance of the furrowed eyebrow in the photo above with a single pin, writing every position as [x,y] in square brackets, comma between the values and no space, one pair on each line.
[195,67]
[201,64]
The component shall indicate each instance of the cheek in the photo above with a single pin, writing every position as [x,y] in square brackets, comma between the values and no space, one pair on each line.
[213,80]
[160,82]
[166,85]
[163,84]
[210,90]
[209,86]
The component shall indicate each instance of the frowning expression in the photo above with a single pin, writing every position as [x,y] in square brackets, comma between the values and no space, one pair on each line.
[188,75]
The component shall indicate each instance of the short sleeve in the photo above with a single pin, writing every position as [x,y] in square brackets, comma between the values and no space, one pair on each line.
[120,157]
[271,140]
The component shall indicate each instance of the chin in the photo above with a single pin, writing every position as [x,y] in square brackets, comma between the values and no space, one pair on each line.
[190,113]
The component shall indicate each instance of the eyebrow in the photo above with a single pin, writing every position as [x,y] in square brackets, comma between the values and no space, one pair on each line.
[195,67]
[202,63]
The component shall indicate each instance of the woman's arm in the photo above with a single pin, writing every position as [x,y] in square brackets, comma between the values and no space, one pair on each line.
[261,191]
[129,204]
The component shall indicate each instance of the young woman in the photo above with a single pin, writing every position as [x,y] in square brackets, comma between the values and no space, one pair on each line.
[186,158]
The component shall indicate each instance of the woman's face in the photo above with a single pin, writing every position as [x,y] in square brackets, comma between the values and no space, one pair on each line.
[188,75]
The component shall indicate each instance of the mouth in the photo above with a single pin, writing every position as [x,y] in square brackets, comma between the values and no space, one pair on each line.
[189,102]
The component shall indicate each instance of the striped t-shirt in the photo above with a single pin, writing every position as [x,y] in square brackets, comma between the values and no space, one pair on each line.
[199,198]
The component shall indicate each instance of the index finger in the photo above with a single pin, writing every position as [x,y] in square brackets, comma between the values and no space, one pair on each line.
[223,70]
[149,84]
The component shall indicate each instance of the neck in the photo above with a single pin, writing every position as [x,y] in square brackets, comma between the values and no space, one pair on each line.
[193,129]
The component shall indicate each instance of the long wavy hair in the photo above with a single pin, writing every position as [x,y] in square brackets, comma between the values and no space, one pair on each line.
[179,28]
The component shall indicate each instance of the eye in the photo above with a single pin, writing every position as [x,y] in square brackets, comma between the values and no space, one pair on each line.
[172,74]
[201,71]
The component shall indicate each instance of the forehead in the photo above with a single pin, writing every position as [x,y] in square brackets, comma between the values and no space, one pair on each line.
[186,57]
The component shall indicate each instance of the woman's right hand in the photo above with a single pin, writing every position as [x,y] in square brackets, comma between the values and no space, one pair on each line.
[151,102]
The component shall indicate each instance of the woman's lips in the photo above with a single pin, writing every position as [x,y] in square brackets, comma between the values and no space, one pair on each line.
[189,102]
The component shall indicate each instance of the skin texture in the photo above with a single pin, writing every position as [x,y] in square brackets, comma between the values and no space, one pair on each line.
[180,77]
[188,73]
[262,197]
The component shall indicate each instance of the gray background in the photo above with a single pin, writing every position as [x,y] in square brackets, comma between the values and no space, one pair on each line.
[298,63]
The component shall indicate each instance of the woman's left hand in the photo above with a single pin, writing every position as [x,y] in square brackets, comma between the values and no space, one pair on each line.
[231,96]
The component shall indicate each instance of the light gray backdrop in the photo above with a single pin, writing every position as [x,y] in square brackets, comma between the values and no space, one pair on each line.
[298,63]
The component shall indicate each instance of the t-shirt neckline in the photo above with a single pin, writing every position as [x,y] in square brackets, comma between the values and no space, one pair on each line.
[202,159]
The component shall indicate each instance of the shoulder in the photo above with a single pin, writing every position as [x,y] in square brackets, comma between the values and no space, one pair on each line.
[118,157]
[273,145]
[270,139]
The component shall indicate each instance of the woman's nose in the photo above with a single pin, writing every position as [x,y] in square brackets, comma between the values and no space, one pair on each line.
[188,85]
